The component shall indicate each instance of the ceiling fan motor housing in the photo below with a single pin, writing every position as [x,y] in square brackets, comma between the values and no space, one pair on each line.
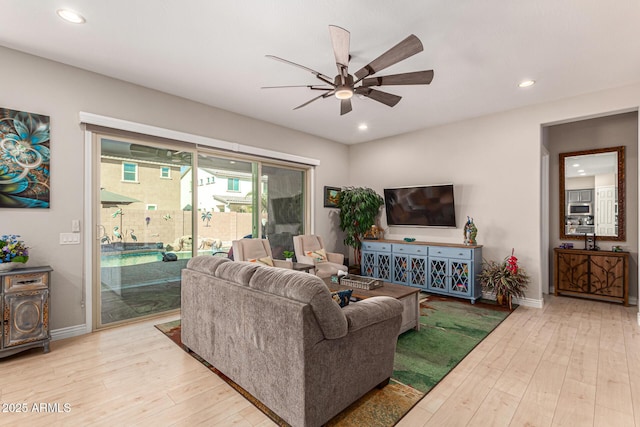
[343,90]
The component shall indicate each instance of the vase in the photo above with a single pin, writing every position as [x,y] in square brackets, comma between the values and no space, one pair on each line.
[8,266]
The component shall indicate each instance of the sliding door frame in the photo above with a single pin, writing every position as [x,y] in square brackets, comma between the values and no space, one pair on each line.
[96,124]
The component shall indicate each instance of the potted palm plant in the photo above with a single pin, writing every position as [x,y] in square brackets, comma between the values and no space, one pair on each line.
[359,208]
[505,279]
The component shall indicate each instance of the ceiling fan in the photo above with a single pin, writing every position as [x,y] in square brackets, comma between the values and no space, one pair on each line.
[344,85]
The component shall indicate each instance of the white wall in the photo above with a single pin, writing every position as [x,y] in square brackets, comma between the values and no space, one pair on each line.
[40,86]
[494,162]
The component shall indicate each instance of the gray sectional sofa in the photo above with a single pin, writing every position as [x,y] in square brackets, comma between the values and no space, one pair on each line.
[279,335]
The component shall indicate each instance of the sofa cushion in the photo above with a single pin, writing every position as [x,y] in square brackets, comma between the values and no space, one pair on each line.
[237,272]
[206,263]
[305,288]
[342,297]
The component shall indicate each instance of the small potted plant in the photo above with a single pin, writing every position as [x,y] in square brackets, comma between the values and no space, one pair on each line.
[13,252]
[288,255]
[505,279]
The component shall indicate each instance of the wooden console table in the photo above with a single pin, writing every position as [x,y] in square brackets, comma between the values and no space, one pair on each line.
[600,275]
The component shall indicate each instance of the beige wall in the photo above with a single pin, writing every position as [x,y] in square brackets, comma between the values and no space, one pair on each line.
[61,92]
[495,164]
[609,131]
[493,160]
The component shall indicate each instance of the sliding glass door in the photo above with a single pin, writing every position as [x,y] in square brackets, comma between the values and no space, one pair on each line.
[283,198]
[145,229]
[161,203]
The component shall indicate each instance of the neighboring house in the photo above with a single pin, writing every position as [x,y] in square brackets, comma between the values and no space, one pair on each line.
[154,184]
[219,190]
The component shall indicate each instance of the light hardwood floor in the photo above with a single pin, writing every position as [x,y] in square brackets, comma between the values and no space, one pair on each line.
[573,363]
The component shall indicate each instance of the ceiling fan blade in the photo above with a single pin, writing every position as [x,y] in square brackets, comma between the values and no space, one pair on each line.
[324,95]
[345,106]
[340,40]
[312,71]
[378,95]
[312,87]
[415,78]
[403,50]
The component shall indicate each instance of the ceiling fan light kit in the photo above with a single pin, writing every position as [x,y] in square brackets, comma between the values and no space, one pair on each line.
[344,85]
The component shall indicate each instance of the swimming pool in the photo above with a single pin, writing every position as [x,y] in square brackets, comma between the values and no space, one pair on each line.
[123,259]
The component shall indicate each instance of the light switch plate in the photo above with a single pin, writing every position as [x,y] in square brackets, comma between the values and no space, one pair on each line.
[69,238]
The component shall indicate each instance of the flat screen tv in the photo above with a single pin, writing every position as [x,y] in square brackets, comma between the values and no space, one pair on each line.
[421,206]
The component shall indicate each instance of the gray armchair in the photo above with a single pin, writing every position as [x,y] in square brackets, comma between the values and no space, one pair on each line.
[304,244]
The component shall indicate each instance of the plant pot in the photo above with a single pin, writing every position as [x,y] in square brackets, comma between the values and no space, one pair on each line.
[504,300]
[8,266]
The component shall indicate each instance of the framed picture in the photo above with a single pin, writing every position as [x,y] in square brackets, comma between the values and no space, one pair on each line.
[24,159]
[331,196]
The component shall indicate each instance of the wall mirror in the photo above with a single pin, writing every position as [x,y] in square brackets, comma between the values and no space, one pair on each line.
[592,194]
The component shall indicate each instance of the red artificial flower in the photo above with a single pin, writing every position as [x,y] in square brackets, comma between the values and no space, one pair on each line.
[512,263]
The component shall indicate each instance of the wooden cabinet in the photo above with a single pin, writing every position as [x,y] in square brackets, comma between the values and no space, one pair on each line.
[25,307]
[438,268]
[593,274]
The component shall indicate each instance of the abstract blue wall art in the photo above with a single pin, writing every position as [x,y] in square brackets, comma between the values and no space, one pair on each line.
[24,159]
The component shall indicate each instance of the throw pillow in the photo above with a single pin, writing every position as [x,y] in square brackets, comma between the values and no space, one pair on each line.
[268,261]
[318,256]
[342,297]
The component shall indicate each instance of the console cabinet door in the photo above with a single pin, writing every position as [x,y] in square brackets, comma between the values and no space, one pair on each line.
[573,272]
[438,275]
[383,262]
[368,264]
[26,317]
[460,275]
[607,275]
[400,269]
[418,271]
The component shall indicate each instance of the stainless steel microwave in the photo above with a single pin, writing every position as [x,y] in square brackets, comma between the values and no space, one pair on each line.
[579,209]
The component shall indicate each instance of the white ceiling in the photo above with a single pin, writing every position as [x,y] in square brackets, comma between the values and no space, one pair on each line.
[214,52]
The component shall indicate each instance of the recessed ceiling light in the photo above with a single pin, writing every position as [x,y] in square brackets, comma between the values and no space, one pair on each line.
[575,165]
[580,170]
[363,126]
[71,16]
[527,83]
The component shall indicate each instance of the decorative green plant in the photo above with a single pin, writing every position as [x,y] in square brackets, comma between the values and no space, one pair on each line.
[504,278]
[359,208]
[287,254]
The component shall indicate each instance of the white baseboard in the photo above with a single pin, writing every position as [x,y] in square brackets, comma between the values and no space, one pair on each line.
[68,332]
[527,302]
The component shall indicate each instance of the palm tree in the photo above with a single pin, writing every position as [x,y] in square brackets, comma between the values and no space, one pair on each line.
[206,216]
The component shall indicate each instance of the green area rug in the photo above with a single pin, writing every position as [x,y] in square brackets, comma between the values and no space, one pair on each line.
[449,330]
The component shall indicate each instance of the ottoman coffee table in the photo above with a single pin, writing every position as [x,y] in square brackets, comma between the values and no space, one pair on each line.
[408,296]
